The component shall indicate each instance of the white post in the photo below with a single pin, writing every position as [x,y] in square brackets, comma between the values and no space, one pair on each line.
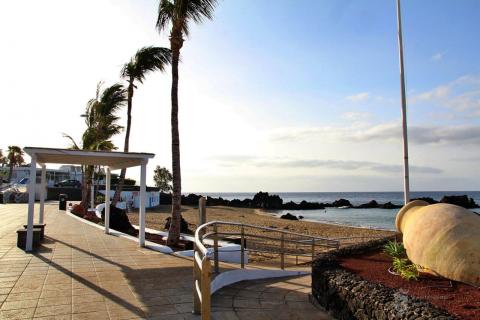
[42,194]
[92,190]
[406,182]
[31,202]
[143,182]
[107,201]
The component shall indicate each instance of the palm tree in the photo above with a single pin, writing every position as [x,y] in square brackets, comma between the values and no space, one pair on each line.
[178,14]
[3,159]
[15,158]
[101,120]
[147,59]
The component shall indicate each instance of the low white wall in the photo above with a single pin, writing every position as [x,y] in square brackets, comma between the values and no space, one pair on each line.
[227,253]
[230,277]
[112,232]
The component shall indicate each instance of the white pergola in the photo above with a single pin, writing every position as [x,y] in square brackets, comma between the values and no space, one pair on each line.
[111,160]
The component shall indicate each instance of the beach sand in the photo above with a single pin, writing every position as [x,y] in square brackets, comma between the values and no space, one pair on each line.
[155,219]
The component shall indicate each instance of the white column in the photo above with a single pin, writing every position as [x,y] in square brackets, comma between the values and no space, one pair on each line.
[143,188]
[92,190]
[107,201]
[43,186]
[31,201]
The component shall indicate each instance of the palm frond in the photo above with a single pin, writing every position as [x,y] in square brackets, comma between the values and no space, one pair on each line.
[147,59]
[165,14]
[128,69]
[105,145]
[112,99]
[74,145]
[180,12]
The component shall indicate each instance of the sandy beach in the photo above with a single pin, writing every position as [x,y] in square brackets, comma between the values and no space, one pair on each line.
[155,219]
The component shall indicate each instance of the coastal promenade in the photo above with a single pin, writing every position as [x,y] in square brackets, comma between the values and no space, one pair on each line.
[81,273]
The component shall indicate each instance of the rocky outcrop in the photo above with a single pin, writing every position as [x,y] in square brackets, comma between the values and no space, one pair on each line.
[462,201]
[426,199]
[389,205]
[341,203]
[304,205]
[264,200]
[371,204]
[375,204]
[289,216]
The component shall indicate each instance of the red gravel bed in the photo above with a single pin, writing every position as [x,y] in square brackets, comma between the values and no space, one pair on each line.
[459,299]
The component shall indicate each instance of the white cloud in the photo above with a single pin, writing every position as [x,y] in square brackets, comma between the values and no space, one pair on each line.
[461,95]
[345,165]
[438,56]
[359,97]
[356,116]
[465,134]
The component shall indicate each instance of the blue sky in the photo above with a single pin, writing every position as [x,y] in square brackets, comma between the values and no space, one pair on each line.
[274,95]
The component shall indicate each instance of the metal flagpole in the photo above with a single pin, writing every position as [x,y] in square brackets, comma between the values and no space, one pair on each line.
[406,181]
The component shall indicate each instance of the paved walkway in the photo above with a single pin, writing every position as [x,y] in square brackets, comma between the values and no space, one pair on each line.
[81,273]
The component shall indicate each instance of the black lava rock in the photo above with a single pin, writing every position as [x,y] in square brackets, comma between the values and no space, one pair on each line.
[341,203]
[119,220]
[462,201]
[183,225]
[289,216]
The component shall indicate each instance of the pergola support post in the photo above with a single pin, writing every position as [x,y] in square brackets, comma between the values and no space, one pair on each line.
[31,202]
[107,201]
[92,190]
[143,190]
[42,194]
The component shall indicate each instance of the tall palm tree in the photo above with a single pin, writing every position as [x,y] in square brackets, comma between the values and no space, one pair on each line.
[178,14]
[147,59]
[101,120]
[15,158]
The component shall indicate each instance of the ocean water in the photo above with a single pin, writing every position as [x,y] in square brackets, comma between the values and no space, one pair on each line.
[366,218]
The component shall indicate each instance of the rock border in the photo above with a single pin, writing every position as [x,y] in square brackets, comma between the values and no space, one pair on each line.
[347,296]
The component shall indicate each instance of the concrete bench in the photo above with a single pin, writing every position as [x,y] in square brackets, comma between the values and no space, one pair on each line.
[38,226]
[22,238]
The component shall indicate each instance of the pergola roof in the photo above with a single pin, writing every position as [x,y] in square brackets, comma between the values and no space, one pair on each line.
[114,160]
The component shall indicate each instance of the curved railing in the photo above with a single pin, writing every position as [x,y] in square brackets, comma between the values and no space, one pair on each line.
[285,244]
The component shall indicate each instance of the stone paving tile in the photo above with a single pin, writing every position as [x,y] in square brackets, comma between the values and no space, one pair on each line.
[81,273]
[53,310]
[273,299]
[17,313]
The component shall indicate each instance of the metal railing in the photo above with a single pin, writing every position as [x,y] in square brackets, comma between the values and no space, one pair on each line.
[285,245]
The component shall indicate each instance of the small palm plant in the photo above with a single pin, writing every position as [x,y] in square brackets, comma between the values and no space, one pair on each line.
[405,268]
[394,249]
[401,264]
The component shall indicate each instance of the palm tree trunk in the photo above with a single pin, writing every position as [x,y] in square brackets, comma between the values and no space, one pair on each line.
[176,42]
[10,172]
[86,187]
[123,172]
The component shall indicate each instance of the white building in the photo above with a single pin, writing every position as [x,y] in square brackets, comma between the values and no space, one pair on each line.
[52,175]
[131,198]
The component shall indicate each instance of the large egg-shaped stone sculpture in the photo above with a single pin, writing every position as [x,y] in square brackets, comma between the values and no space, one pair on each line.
[443,239]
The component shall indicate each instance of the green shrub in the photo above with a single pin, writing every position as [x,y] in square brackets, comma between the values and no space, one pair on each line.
[405,268]
[395,249]
[401,264]
[100,198]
